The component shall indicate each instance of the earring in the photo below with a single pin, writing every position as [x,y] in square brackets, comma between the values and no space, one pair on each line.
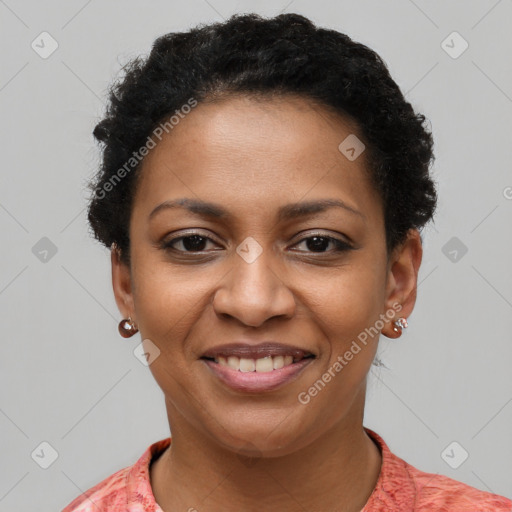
[127,328]
[400,324]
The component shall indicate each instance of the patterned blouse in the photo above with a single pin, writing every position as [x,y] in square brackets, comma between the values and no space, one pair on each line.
[400,488]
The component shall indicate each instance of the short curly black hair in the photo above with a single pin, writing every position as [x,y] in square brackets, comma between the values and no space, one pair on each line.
[249,54]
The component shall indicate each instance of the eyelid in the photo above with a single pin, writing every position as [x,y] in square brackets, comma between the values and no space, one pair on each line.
[189,232]
[324,234]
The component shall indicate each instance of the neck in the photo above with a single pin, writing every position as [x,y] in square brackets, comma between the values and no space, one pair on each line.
[338,472]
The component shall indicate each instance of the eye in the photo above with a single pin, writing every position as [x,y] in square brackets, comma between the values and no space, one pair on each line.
[317,243]
[190,243]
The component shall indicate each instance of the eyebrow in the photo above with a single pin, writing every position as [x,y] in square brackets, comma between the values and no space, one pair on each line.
[286,212]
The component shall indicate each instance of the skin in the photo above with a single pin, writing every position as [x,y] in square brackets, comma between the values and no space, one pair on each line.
[253,156]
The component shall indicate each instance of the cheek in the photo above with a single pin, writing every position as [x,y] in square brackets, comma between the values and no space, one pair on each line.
[349,305]
[166,309]
[349,302]
[166,301]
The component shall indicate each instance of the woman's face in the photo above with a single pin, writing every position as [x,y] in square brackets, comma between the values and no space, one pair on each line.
[254,272]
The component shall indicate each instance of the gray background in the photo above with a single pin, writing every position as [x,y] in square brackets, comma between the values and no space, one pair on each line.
[69,379]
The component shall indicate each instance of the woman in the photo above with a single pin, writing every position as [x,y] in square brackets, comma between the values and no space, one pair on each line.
[262,189]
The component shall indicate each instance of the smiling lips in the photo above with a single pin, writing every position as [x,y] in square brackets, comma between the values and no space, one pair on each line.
[256,368]
[264,357]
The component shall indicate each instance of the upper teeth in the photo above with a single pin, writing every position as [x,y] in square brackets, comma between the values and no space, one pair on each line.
[264,364]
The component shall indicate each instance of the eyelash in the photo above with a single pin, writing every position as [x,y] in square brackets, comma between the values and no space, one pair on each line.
[339,245]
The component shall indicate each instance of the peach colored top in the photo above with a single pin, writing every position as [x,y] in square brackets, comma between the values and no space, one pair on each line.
[400,488]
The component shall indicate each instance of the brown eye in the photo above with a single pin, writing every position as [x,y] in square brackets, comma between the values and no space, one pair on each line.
[189,243]
[320,243]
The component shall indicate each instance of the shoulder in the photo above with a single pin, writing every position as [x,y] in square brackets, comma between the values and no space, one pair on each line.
[402,487]
[109,494]
[125,488]
[441,493]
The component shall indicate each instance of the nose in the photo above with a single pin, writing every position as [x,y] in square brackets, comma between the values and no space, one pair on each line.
[253,292]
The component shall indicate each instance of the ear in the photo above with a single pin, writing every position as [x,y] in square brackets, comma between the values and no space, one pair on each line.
[122,284]
[402,280]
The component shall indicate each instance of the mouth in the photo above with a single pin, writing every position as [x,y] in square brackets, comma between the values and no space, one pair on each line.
[261,365]
[257,368]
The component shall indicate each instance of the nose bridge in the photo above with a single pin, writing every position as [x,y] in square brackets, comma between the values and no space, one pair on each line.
[253,291]
[253,266]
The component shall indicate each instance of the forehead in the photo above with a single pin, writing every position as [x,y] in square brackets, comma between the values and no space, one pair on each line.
[257,152]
